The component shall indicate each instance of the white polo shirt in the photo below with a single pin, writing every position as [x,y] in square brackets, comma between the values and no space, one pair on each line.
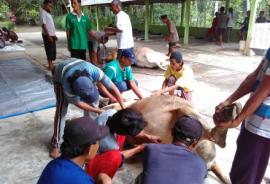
[124,38]
[46,18]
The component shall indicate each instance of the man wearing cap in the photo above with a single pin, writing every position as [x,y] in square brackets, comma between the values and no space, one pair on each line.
[123,29]
[76,82]
[176,162]
[80,145]
[179,79]
[120,72]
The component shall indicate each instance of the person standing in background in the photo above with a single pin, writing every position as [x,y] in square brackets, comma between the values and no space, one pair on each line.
[172,37]
[78,28]
[123,29]
[230,18]
[48,32]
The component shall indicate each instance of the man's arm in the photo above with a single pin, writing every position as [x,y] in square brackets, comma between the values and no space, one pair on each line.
[252,104]
[133,151]
[68,39]
[244,88]
[86,107]
[135,88]
[166,89]
[93,35]
[105,92]
[44,27]
[113,89]
[112,30]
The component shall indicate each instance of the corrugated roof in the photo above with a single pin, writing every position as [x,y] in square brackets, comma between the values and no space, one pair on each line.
[97,2]
[100,2]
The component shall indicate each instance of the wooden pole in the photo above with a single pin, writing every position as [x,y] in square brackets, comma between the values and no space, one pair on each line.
[253,8]
[186,21]
[97,17]
[182,14]
[151,13]
[227,5]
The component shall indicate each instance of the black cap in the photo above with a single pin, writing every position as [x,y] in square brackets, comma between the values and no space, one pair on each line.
[86,89]
[83,130]
[187,128]
[177,56]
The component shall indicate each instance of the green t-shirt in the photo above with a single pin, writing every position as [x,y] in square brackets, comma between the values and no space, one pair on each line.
[115,72]
[78,27]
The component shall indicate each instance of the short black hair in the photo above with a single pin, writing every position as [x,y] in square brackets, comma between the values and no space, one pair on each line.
[164,16]
[79,1]
[126,122]
[117,2]
[222,9]
[5,29]
[47,2]
[70,151]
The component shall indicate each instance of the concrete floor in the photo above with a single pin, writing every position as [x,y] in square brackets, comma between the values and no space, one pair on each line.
[24,140]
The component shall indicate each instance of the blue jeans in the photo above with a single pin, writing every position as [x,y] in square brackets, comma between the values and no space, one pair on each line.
[124,86]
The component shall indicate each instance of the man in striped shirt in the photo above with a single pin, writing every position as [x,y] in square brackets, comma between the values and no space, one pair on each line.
[253,143]
[76,82]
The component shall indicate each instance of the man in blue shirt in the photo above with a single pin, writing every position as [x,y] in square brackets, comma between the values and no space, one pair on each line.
[175,163]
[76,82]
[80,145]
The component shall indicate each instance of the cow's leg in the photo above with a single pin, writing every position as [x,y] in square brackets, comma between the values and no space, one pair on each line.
[216,170]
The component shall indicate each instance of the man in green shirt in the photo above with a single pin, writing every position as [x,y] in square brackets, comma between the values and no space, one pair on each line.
[78,27]
[120,72]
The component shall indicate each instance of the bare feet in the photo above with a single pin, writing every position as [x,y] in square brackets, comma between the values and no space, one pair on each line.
[54,153]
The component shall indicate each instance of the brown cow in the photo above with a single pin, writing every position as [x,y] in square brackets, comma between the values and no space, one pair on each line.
[160,113]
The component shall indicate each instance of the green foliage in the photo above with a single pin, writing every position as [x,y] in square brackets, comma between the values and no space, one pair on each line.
[34,13]
[4,8]
[59,22]
[7,24]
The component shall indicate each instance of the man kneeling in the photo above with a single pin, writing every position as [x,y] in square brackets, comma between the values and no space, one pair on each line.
[80,145]
[175,163]
[120,72]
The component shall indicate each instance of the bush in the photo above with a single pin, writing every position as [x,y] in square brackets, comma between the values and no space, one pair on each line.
[59,22]
[7,24]
[3,11]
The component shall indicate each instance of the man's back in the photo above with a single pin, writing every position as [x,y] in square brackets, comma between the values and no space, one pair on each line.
[64,171]
[170,164]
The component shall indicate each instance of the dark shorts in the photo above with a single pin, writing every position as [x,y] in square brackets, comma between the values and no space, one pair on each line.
[50,48]
[251,158]
[172,44]
[77,53]
[221,31]
[93,46]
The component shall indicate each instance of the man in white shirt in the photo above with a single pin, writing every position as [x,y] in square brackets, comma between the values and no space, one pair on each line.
[123,29]
[48,32]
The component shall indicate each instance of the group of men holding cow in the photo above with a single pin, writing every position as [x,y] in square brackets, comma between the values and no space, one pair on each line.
[90,149]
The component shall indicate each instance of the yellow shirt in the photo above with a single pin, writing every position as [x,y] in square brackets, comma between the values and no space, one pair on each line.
[185,77]
[171,72]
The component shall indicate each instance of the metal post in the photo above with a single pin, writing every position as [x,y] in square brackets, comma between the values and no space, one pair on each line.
[146,20]
[186,21]
[253,8]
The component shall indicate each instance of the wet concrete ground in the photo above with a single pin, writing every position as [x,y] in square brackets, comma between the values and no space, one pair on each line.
[24,140]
